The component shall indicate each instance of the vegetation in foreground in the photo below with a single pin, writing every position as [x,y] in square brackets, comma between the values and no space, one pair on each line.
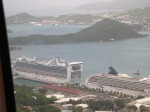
[28,101]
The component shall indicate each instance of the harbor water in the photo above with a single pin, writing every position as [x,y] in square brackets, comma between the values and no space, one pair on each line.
[126,56]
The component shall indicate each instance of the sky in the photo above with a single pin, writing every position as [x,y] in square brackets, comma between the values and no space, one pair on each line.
[17,6]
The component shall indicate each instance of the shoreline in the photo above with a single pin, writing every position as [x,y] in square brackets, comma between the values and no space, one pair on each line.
[12,48]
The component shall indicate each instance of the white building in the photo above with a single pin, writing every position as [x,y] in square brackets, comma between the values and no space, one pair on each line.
[64,100]
[144,102]
[58,96]
[82,105]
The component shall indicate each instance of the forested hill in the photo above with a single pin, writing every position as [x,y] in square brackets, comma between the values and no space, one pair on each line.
[105,30]
[138,12]
[20,18]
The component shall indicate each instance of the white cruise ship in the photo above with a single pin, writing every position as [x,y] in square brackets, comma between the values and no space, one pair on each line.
[119,83]
[55,71]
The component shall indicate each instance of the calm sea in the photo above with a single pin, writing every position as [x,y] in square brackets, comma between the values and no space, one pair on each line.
[29,29]
[125,56]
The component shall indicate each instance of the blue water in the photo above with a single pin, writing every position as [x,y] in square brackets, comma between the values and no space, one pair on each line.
[29,83]
[126,56]
[29,29]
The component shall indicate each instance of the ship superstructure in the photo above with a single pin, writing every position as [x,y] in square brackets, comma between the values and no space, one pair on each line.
[55,71]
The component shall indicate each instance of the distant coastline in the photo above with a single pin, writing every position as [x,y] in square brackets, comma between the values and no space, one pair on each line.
[104,31]
[11,48]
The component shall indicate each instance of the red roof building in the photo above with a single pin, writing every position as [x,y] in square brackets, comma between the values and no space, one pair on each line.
[58,88]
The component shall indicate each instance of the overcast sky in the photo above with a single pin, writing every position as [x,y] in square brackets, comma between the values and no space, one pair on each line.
[13,6]
[53,3]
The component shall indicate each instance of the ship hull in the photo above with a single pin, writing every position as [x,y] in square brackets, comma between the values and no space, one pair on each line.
[40,78]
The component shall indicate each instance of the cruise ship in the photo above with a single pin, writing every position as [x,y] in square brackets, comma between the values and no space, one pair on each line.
[56,70]
[113,81]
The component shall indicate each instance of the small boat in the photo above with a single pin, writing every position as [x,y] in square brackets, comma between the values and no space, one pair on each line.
[137,72]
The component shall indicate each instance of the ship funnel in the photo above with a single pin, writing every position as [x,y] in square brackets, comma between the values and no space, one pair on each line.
[112,71]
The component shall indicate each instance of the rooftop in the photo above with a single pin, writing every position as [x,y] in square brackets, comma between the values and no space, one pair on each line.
[58,88]
[144,100]
[82,105]
[67,100]
[58,96]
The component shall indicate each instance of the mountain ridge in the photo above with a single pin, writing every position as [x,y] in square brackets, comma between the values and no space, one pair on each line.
[20,18]
[115,5]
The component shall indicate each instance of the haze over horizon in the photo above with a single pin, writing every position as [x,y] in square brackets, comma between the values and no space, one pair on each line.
[116,5]
[60,7]
[49,7]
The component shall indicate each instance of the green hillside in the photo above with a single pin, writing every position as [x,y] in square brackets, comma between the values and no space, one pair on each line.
[87,18]
[20,18]
[106,30]
[139,12]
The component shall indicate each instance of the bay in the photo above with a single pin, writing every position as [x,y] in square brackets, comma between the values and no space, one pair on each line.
[126,56]
[47,29]
[30,83]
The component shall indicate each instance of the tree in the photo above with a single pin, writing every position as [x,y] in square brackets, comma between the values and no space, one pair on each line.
[124,95]
[103,92]
[24,95]
[140,97]
[94,105]
[52,99]
[110,93]
[46,108]
[40,99]
[43,91]
[120,103]
[108,105]
[78,109]
[73,102]
[132,107]
[22,109]
[144,109]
